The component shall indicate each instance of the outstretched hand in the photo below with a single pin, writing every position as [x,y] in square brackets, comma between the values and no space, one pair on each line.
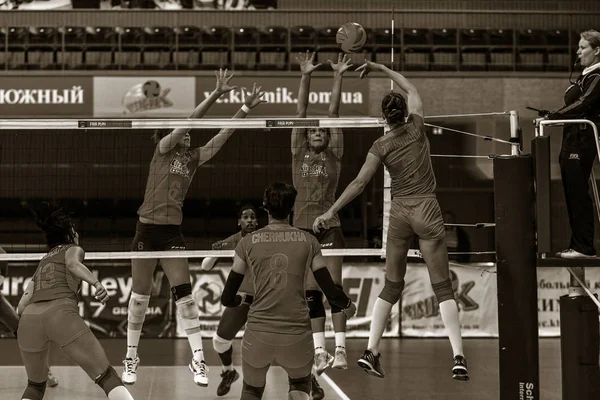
[342,65]
[307,65]
[367,67]
[254,97]
[223,81]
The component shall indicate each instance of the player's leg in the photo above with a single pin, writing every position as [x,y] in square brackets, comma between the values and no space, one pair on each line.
[400,236]
[257,354]
[296,358]
[316,310]
[178,273]
[430,228]
[232,320]
[334,239]
[33,344]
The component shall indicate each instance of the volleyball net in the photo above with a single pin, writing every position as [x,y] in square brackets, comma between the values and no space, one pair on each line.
[98,170]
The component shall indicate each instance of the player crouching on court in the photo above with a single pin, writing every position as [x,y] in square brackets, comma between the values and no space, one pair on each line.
[278,329]
[49,311]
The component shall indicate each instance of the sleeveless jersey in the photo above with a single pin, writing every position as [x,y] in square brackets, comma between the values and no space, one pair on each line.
[52,279]
[278,257]
[405,153]
[315,177]
[169,179]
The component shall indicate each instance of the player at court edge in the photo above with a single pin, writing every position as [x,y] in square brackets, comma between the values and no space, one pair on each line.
[316,167]
[172,169]
[233,318]
[49,311]
[9,317]
[404,151]
[278,257]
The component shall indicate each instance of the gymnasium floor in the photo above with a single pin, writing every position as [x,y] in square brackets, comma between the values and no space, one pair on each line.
[416,369]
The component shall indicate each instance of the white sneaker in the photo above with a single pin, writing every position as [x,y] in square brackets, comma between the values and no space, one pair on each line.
[570,253]
[323,360]
[129,375]
[341,360]
[200,371]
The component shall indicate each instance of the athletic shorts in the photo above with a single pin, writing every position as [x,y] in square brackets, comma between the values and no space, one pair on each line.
[150,237]
[332,238]
[232,320]
[55,321]
[294,353]
[416,215]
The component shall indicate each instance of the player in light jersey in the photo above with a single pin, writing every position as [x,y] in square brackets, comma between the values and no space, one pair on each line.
[233,319]
[9,317]
[316,165]
[404,150]
[49,311]
[278,258]
[159,228]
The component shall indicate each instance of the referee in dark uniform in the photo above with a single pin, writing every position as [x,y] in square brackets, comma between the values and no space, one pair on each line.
[578,151]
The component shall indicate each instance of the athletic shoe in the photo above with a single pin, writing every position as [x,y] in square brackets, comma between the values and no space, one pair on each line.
[459,370]
[570,253]
[199,369]
[370,363]
[317,391]
[228,377]
[341,360]
[129,375]
[323,360]
[52,380]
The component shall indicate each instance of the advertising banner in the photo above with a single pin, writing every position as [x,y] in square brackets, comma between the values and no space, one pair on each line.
[144,97]
[281,94]
[44,96]
[110,319]
[362,283]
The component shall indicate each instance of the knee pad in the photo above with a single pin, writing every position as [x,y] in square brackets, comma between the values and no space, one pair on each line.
[188,311]
[335,309]
[316,309]
[443,290]
[138,304]
[301,384]
[109,380]
[392,291]
[220,345]
[34,390]
[252,392]
[181,291]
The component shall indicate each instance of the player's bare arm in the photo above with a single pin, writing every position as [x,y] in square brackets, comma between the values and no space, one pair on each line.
[307,67]
[26,298]
[74,262]
[336,143]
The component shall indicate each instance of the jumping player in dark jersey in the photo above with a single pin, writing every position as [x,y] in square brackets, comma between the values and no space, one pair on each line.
[9,317]
[233,319]
[49,311]
[404,150]
[278,257]
[316,165]
[159,228]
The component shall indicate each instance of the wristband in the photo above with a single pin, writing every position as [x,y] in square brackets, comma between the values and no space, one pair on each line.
[246,109]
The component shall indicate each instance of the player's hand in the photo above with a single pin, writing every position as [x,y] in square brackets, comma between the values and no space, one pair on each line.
[306,63]
[101,294]
[322,222]
[343,64]
[223,81]
[367,67]
[246,298]
[254,97]
[350,310]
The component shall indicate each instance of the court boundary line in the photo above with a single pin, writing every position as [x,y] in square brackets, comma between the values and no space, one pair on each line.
[335,387]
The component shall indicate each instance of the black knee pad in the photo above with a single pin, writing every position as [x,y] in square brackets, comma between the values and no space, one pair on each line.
[252,392]
[316,309]
[34,390]
[443,290]
[109,380]
[392,291]
[301,384]
[180,291]
[334,308]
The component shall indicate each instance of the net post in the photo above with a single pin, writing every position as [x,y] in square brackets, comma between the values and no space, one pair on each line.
[540,150]
[515,134]
[517,278]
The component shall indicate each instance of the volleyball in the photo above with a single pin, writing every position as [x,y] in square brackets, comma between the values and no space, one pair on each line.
[351,37]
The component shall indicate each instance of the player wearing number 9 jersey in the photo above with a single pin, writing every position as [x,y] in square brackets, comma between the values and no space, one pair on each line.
[159,228]
[49,311]
[278,258]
